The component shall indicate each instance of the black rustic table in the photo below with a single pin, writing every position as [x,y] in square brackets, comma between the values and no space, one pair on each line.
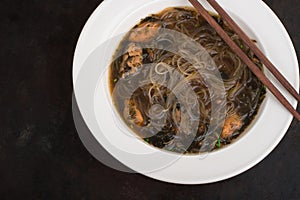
[41,155]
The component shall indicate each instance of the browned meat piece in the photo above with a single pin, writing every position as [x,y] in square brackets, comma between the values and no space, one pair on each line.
[134,62]
[144,32]
[132,59]
[231,124]
[134,50]
[132,113]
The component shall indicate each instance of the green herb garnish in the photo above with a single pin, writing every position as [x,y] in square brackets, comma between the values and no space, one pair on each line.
[242,46]
[115,80]
[218,143]
[147,140]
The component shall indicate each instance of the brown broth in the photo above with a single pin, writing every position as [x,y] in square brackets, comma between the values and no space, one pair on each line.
[243,98]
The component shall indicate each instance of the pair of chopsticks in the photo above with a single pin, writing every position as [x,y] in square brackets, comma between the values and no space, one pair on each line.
[235,48]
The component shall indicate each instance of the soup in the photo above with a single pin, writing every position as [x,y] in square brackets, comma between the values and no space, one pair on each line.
[169,93]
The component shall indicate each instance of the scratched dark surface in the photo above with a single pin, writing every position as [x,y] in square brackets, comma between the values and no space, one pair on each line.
[41,155]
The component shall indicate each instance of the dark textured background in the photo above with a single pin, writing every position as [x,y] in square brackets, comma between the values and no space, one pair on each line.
[41,155]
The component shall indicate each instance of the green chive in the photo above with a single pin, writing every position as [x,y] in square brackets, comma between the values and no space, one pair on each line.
[242,46]
[219,143]
[147,140]
[115,80]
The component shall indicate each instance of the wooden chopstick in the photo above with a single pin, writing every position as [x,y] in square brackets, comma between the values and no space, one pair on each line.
[259,74]
[255,49]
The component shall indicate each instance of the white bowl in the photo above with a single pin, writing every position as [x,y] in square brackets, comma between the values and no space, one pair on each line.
[98,40]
